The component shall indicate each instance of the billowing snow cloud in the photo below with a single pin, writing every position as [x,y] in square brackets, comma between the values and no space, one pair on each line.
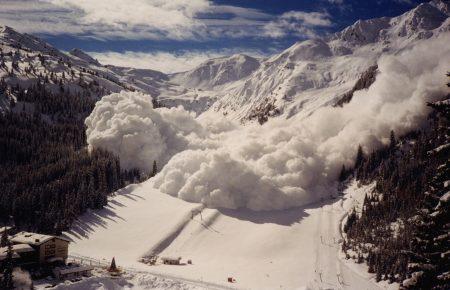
[284,163]
[126,124]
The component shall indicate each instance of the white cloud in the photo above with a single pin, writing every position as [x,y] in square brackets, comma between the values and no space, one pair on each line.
[174,19]
[404,1]
[38,17]
[165,61]
[336,1]
[298,23]
[144,19]
[284,163]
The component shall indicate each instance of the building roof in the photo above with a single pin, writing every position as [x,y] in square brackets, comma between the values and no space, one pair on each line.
[22,248]
[4,253]
[34,239]
[2,229]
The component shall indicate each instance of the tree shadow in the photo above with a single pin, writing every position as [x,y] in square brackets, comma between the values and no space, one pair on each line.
[87,223]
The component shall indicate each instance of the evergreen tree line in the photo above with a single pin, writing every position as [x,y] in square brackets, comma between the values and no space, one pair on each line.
[47,175]
[402,230]
[61,105]
[7,265]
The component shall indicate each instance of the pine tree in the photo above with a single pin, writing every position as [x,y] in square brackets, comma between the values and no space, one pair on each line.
[343,174]
[359,157]
[7,280]
[113,267]
[4,238]
[155,169]
[393,141]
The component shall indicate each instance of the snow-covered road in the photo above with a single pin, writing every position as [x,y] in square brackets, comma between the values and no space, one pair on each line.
[291,249]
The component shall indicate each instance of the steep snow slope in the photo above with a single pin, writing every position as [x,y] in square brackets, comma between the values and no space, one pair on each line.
[198,89]
[285,249]
[14,39]
[27,59]
[78,53]
[218,71]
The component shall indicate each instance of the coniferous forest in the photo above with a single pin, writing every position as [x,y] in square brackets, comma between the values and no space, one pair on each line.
[402,230]
[47,175]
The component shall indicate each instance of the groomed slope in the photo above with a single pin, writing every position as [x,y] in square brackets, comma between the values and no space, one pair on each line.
[291,249]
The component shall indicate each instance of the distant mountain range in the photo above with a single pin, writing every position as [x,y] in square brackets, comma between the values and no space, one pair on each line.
[308,75]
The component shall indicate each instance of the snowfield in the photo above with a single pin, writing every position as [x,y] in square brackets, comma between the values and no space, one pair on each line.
[291,249]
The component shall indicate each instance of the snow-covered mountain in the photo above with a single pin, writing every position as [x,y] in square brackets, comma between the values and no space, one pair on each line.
[78,53]
[26,59]
[306,76]
[218,71]
[317,72]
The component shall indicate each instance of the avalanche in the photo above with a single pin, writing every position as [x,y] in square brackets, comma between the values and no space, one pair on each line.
[282,164]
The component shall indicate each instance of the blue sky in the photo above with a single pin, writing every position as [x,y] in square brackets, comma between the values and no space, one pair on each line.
[174,35]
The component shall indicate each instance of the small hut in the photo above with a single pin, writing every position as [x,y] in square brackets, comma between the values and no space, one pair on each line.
[171,260]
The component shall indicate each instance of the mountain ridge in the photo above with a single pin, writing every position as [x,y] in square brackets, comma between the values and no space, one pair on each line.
[308,75]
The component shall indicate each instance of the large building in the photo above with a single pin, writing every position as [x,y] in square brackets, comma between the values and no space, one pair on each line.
[40,249]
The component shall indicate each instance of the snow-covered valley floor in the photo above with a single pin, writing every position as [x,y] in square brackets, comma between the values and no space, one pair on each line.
[291,249]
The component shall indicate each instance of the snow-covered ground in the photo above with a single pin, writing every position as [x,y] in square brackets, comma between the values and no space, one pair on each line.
[290,249]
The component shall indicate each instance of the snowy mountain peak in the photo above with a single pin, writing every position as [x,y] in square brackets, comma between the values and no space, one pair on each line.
[363,31]
[424,17]
[218,71]
[307,50]
[443,6]
[12,38]
[6,29]
[416,22]
[84,56]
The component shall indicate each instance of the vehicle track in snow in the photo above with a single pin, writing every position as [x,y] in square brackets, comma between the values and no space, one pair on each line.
[172,235]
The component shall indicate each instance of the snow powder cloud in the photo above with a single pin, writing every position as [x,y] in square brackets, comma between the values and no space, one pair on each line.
[127,124]
[282,164]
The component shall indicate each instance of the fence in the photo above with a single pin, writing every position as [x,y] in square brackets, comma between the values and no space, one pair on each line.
[104,264]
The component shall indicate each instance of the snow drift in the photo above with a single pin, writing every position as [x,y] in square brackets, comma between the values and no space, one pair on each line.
[284,163]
